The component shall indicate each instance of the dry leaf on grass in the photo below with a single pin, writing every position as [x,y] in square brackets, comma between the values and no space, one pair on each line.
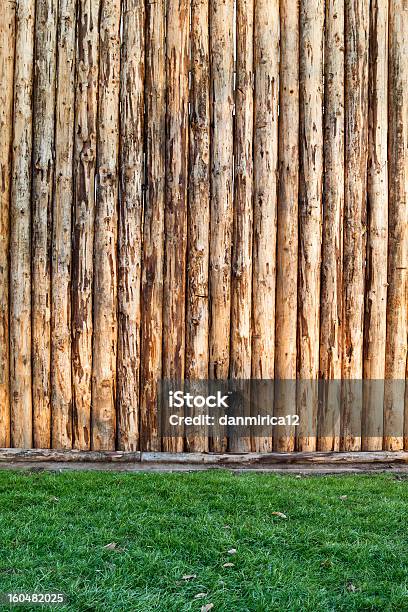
[228,565]
[113,546]
[343,497]
[189,577]
[207,607]
[280,514]
[232,551]
[351,587]
[200,595]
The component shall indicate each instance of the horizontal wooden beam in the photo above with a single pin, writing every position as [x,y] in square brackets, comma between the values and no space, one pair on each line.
[10,455]
[265,459]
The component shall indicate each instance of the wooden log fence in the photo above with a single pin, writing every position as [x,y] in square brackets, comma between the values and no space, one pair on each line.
[203,189]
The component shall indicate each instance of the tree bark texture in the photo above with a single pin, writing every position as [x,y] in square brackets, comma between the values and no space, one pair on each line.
[86,119]
[106,231]
[20,231]
[130,223]
[7,49]
[61,304]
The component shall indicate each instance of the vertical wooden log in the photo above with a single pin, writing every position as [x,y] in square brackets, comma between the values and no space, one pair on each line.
[266,70]
[7,43]
[105,242]
[240,366]
[61,378]
[198,207]
[310,215]
[376,272]
[221,211]
[43,183]
[332,246]
[86,105]
[287,232]
[397,325]
[406,409]
[20,225]
[177,50]
[130,224]
[356,140]
[153,226]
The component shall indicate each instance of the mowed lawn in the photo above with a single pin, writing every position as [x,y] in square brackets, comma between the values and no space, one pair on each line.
[142,542]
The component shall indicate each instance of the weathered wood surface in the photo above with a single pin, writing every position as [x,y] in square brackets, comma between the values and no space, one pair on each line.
[355,214]
[331,292]
[280,458]
[287,232]
[241,281]
[221,180]
[306,459]
[265,192]
[42,194]
[203,189]
[375,323]
[61,354]
[153,225]
[310,215]
[86,117]
[104,354]
[397,301]
[175,223]
[130,223]
[7,49]
[50,455]
[198,231]
[20,230]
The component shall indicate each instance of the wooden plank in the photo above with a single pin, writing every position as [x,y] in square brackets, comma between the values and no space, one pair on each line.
[86,113]
[174,294]
[61,378]
[356,141]
[333,210]
[287,232]
[130,223]
[296,458]
[198,235]
[153,226]
[377,230]
[323,460]
[7,49]
[18,455]
[397,302]
[20,226]
[222,68]
[241,281]
[103,416]
[222,75]
[42,193]
[310,215]
[266,104]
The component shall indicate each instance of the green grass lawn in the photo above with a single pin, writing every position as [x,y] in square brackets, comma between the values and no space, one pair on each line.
[330,553]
